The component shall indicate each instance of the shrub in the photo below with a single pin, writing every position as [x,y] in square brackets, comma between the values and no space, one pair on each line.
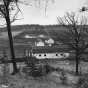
[36,72]
[63,78]
[82,82]
[36,69]
[31,61]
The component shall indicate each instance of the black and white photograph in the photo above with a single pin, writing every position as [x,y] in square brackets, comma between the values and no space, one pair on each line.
[43,43]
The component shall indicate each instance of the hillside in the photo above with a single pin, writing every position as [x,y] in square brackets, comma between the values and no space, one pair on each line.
[19,31]
[32,27]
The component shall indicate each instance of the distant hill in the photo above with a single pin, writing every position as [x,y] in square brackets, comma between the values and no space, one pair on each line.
[20,31]
[32,27]
[35,27]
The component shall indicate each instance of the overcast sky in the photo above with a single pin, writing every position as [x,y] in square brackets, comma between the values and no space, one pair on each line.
[36,14]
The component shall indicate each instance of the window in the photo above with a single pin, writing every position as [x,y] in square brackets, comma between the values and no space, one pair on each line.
[44,54]
[61,54]
[39,54]
[56,54]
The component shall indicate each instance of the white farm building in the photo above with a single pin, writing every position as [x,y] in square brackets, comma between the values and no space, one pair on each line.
[55,55]
[49,53]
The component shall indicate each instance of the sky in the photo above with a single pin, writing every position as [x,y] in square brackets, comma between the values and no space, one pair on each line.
[36,14]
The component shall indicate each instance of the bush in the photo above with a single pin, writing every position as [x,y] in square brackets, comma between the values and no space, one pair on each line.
[63,78]
[36,72]
[31,61]
[82,82]
[36,69]
[49,68]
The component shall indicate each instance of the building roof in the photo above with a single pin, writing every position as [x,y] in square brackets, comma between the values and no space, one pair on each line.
[48,49]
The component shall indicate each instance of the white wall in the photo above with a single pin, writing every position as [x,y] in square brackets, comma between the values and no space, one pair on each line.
[51,55]
[39,43]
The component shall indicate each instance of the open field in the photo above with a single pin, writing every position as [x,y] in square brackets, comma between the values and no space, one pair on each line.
[51,80]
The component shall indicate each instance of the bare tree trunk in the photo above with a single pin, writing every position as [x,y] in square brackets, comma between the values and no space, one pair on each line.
[11,43]
[77,62]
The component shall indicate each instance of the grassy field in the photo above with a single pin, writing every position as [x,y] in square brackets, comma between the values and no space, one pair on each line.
[51,80]
[47,82]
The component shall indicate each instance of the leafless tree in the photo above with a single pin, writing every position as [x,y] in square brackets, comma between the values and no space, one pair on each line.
[75,35]
[6,11]
[6,7]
